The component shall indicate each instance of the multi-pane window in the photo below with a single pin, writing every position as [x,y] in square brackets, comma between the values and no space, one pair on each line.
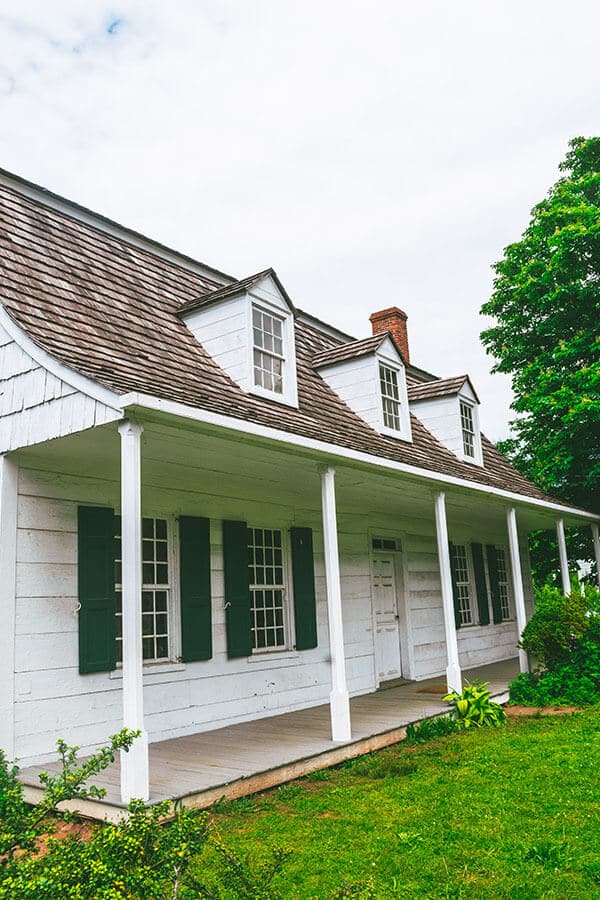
[503,583]
[390,397]
[265,558]
[156,589]
[468,429]
[463,584]
[267,331]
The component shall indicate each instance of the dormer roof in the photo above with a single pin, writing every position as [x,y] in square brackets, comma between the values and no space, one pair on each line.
[354,350]
[441,387]
[234,289]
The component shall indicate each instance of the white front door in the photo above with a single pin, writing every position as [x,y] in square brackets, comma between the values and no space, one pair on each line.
[387,637]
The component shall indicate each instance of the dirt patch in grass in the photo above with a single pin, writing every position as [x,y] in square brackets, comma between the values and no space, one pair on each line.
[518,711]
[63,830]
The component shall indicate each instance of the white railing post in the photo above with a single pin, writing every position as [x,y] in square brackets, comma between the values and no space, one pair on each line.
[596,540]
[338,698]
[453,673]
[9,472]
[517,580]
[562,555]
[134,764]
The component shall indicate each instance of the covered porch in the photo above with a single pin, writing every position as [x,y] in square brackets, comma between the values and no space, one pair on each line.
[243,759]
[224,726]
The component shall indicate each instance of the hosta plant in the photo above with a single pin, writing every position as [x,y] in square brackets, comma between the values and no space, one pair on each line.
[475,707]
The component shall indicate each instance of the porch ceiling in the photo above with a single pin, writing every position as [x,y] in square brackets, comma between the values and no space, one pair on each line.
[208,459]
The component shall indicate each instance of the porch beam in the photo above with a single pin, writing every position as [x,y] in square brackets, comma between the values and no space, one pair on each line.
[134,764]
[562,555]
[338,699]
[453,673]
[517,581]
[9,473]
[596,540]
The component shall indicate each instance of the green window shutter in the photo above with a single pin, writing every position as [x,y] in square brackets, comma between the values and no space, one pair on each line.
[194,575]
[492,561]
[454,584]
[303,578]
[480,584]
[237,589]
[96,588]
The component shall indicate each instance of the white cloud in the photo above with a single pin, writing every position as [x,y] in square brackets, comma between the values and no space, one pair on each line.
[373,153]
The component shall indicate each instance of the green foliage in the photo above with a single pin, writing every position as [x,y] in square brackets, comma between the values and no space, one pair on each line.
[564,636]
[475,707]
[429,729]
[21,824]
[461,825]
[546,307]
[558,621]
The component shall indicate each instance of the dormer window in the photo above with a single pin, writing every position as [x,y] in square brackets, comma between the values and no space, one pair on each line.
[248,329]
[268,355]
[468,429]
[390,397]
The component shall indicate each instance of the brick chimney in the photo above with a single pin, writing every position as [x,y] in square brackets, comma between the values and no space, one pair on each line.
[393,320]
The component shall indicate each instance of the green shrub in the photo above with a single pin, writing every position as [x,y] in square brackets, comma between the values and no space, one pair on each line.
[564,636]
[429,729]
[475,707]
[558,621]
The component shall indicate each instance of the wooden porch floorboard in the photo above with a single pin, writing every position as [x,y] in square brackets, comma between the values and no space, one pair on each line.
[241,759]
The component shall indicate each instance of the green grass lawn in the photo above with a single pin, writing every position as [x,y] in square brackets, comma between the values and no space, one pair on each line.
[508,812]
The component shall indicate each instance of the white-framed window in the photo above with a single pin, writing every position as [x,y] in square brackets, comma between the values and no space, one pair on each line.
[468,429]
[503,586]
[463,584]
[390,397]
[156,590]
[268,358]
[268,589]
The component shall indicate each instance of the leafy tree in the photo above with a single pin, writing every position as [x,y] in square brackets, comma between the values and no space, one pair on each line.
[546,303]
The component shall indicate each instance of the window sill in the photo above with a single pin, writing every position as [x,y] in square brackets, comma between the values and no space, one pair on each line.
[153,669]
[275,655]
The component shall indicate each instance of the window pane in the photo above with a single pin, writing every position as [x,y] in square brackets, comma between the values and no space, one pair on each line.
[390,397]
[264,546]
[267,335]
[155,603]
[463,587]
[468,429]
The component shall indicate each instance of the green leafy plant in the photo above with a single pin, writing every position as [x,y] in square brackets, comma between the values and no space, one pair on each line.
[564,636]
[21,825]
[429,729]
[475,707]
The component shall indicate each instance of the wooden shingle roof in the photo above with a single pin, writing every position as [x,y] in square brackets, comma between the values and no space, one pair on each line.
[109,309]
[440,387]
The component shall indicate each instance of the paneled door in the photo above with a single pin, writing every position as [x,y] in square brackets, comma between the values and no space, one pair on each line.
[387,637]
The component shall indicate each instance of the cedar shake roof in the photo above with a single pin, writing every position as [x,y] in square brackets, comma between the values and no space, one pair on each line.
[109,309]
[353,350]
[441,387]
[233,290]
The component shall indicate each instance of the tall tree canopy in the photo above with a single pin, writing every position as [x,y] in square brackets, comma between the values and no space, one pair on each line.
[546,303]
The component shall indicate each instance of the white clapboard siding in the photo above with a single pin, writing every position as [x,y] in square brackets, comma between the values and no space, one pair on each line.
[36,406]
[54,701]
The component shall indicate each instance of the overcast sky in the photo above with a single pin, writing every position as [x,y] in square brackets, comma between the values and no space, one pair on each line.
[375,153]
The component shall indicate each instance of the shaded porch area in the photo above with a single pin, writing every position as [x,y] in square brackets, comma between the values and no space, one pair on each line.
[246,758]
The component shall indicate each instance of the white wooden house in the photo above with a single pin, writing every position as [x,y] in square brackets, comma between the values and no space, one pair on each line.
[215,508]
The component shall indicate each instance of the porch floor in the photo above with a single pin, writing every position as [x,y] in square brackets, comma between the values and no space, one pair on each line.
[242,759]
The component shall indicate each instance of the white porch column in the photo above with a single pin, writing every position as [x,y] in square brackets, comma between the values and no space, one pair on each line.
[134,765]
[338,698]
[453,673]
[9,472]
[596,540]
[562,554]
[517,580]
